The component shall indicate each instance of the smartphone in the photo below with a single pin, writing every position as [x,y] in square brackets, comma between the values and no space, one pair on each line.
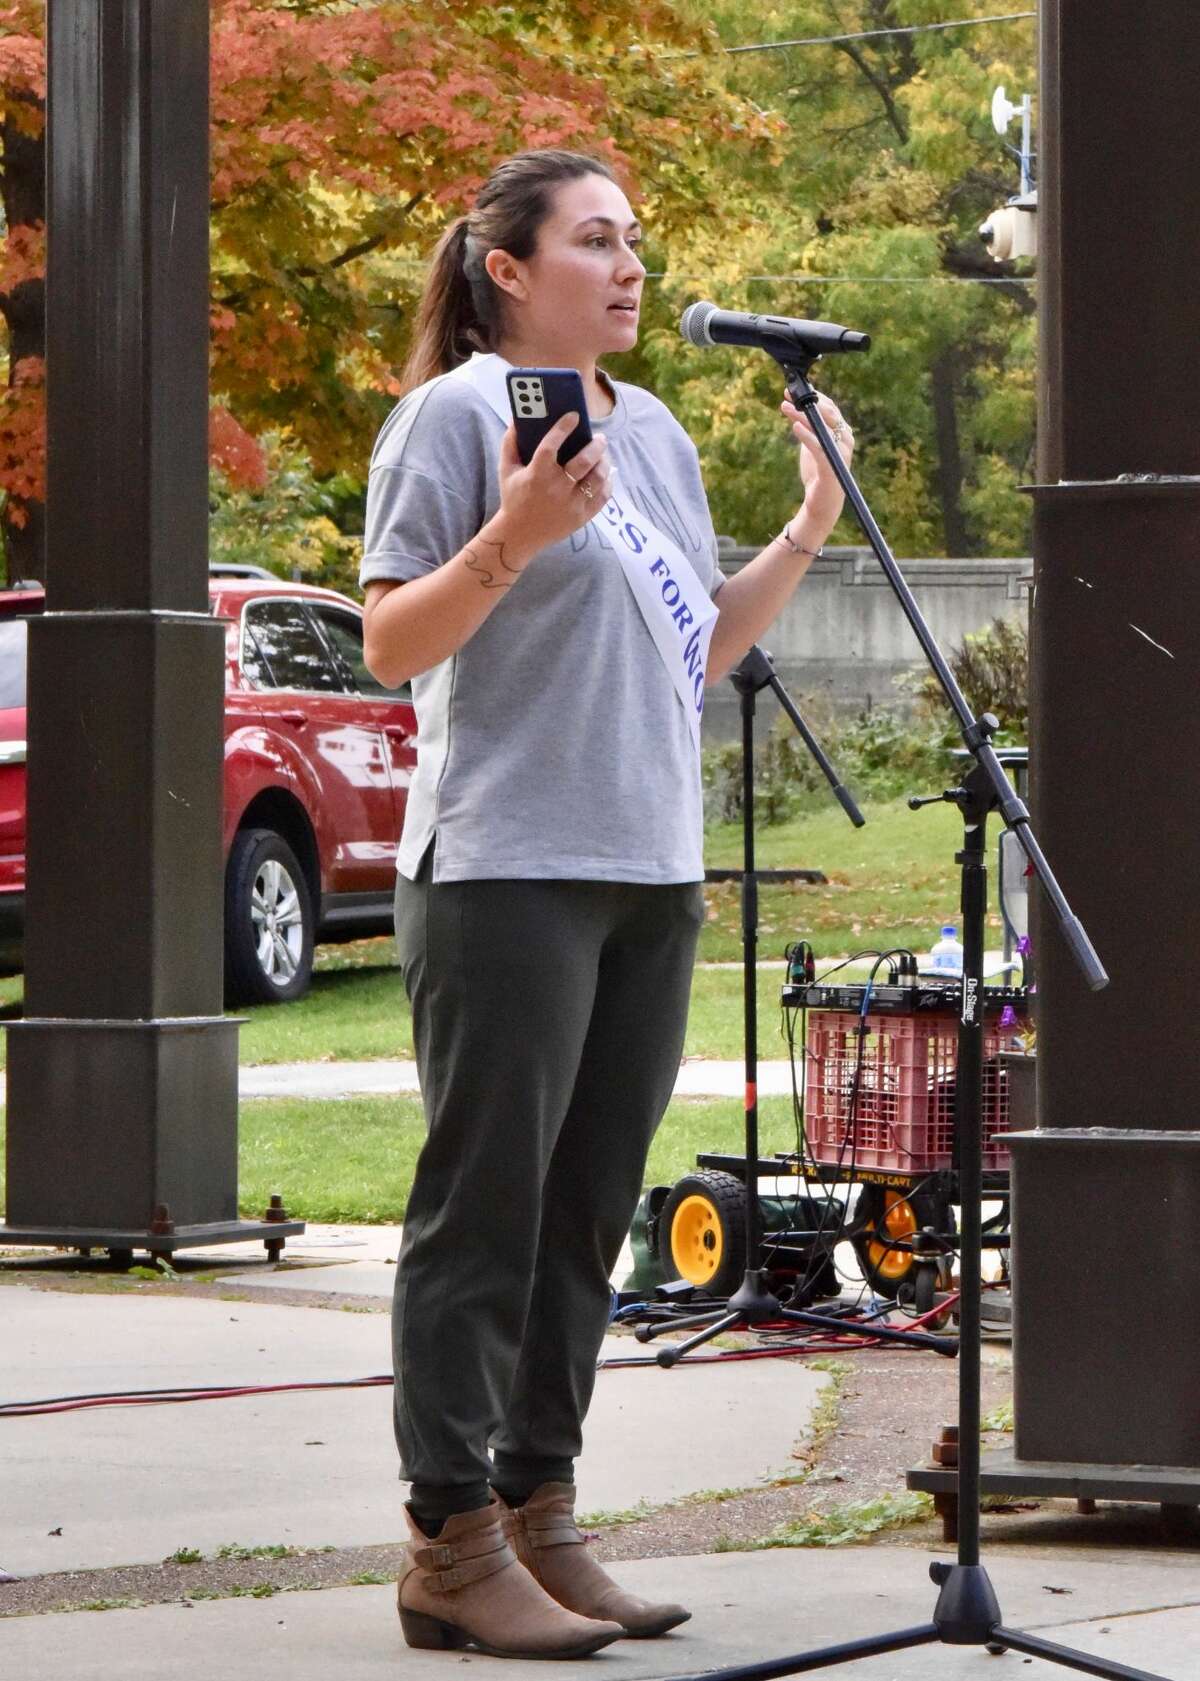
[540,396]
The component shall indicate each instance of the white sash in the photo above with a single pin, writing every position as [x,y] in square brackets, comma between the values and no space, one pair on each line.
[676,609]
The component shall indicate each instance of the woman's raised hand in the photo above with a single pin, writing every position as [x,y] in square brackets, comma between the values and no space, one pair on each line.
[823,494]
[543,502]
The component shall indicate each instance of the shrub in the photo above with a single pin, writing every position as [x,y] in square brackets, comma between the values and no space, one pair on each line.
[992,670]
[878,754]
[882,753]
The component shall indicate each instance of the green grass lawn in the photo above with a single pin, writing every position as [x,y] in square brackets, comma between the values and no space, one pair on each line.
[890,883]
[352,1160]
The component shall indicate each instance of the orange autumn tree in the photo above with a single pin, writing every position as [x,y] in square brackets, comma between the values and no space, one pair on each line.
[342,137]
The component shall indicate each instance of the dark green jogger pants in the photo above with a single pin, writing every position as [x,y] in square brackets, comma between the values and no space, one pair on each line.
[549,1019]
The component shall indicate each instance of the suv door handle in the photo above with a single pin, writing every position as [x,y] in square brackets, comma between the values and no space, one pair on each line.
[397,732]
[293,715]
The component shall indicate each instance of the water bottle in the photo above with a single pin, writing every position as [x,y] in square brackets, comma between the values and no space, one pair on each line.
[947,955]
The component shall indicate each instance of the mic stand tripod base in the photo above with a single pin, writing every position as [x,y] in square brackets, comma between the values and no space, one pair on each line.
[753,1304]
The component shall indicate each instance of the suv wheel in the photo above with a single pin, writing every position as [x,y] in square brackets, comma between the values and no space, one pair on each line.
[269,922]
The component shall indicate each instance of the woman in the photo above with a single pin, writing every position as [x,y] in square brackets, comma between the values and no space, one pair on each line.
[549,891]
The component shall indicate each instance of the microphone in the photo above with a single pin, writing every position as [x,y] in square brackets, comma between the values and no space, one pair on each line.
[704,324]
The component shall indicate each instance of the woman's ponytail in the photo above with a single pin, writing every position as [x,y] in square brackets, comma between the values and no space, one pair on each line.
[448,327]
[459,311]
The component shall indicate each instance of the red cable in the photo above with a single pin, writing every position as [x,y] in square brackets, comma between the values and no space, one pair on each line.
[35,1408]
[834,1345]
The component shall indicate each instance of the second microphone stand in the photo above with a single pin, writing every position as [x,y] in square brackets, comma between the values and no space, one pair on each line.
[754,1304]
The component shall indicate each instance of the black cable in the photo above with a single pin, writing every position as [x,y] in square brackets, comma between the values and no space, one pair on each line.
[802,1150]
[807,1158]
[802,950]
[907,967]
[807,1164]
[798,953]
[851,1134]
[856,1083]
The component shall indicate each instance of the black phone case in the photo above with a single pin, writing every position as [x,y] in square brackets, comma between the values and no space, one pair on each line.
[540,396]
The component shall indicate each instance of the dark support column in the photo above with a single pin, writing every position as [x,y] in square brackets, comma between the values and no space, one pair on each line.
[122,1081]
[1105,1219]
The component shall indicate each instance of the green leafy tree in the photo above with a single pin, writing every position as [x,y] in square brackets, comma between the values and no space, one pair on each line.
[342,138]
[888,166]
[288,520]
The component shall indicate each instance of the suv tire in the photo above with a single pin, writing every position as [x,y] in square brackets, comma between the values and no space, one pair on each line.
[269,921]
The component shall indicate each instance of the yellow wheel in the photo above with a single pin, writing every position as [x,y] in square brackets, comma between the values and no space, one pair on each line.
[884,1218]
[697,1240]
[702,1232]
[899,1221]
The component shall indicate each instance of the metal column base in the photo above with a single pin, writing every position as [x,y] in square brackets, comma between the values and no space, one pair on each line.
[1176,1488]
[108,1121]
[122,1135]
[124,1242]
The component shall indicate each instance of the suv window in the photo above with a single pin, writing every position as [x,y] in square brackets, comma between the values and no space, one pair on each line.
[281,649]
[12,663]
[345,631]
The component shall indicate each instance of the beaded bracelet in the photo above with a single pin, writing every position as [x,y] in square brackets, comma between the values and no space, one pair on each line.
[785,537]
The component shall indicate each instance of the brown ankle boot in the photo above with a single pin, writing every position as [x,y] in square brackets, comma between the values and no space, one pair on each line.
[466,1588]
[547,1541]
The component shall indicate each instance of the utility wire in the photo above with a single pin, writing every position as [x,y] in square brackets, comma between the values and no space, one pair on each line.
[860,35]
[419,265]
[860,279]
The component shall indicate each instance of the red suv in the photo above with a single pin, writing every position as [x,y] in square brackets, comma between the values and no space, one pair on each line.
[318,759]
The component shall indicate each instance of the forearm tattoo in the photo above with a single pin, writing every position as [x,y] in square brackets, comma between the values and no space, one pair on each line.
[482,565]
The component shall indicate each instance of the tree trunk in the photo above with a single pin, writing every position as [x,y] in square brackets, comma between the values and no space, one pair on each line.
[949,460]
[23,187]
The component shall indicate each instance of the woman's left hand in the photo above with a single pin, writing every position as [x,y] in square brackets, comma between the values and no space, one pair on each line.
[823,495]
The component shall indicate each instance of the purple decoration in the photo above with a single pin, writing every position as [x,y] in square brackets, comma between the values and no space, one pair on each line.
[1023,946]
[1008,1019]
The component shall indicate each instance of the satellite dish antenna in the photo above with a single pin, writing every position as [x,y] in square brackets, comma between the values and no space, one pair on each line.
[1003,111]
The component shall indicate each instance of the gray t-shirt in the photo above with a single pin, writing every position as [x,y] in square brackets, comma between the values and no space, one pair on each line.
[553,744]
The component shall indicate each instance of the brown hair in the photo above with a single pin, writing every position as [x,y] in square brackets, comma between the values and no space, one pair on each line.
[459,310]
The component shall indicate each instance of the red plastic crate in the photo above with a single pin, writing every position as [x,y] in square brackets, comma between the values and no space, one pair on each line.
[904,1113]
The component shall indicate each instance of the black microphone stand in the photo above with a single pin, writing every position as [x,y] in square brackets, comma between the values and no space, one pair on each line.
[967,1612]
[753,1303]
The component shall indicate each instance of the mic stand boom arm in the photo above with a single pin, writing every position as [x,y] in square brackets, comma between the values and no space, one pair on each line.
[756,668]
[976,732]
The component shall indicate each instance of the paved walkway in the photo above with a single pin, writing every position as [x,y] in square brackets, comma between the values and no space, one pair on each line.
[111,1486]
[698,1077]
[90,1489]
[310,1469]
[747,1607]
